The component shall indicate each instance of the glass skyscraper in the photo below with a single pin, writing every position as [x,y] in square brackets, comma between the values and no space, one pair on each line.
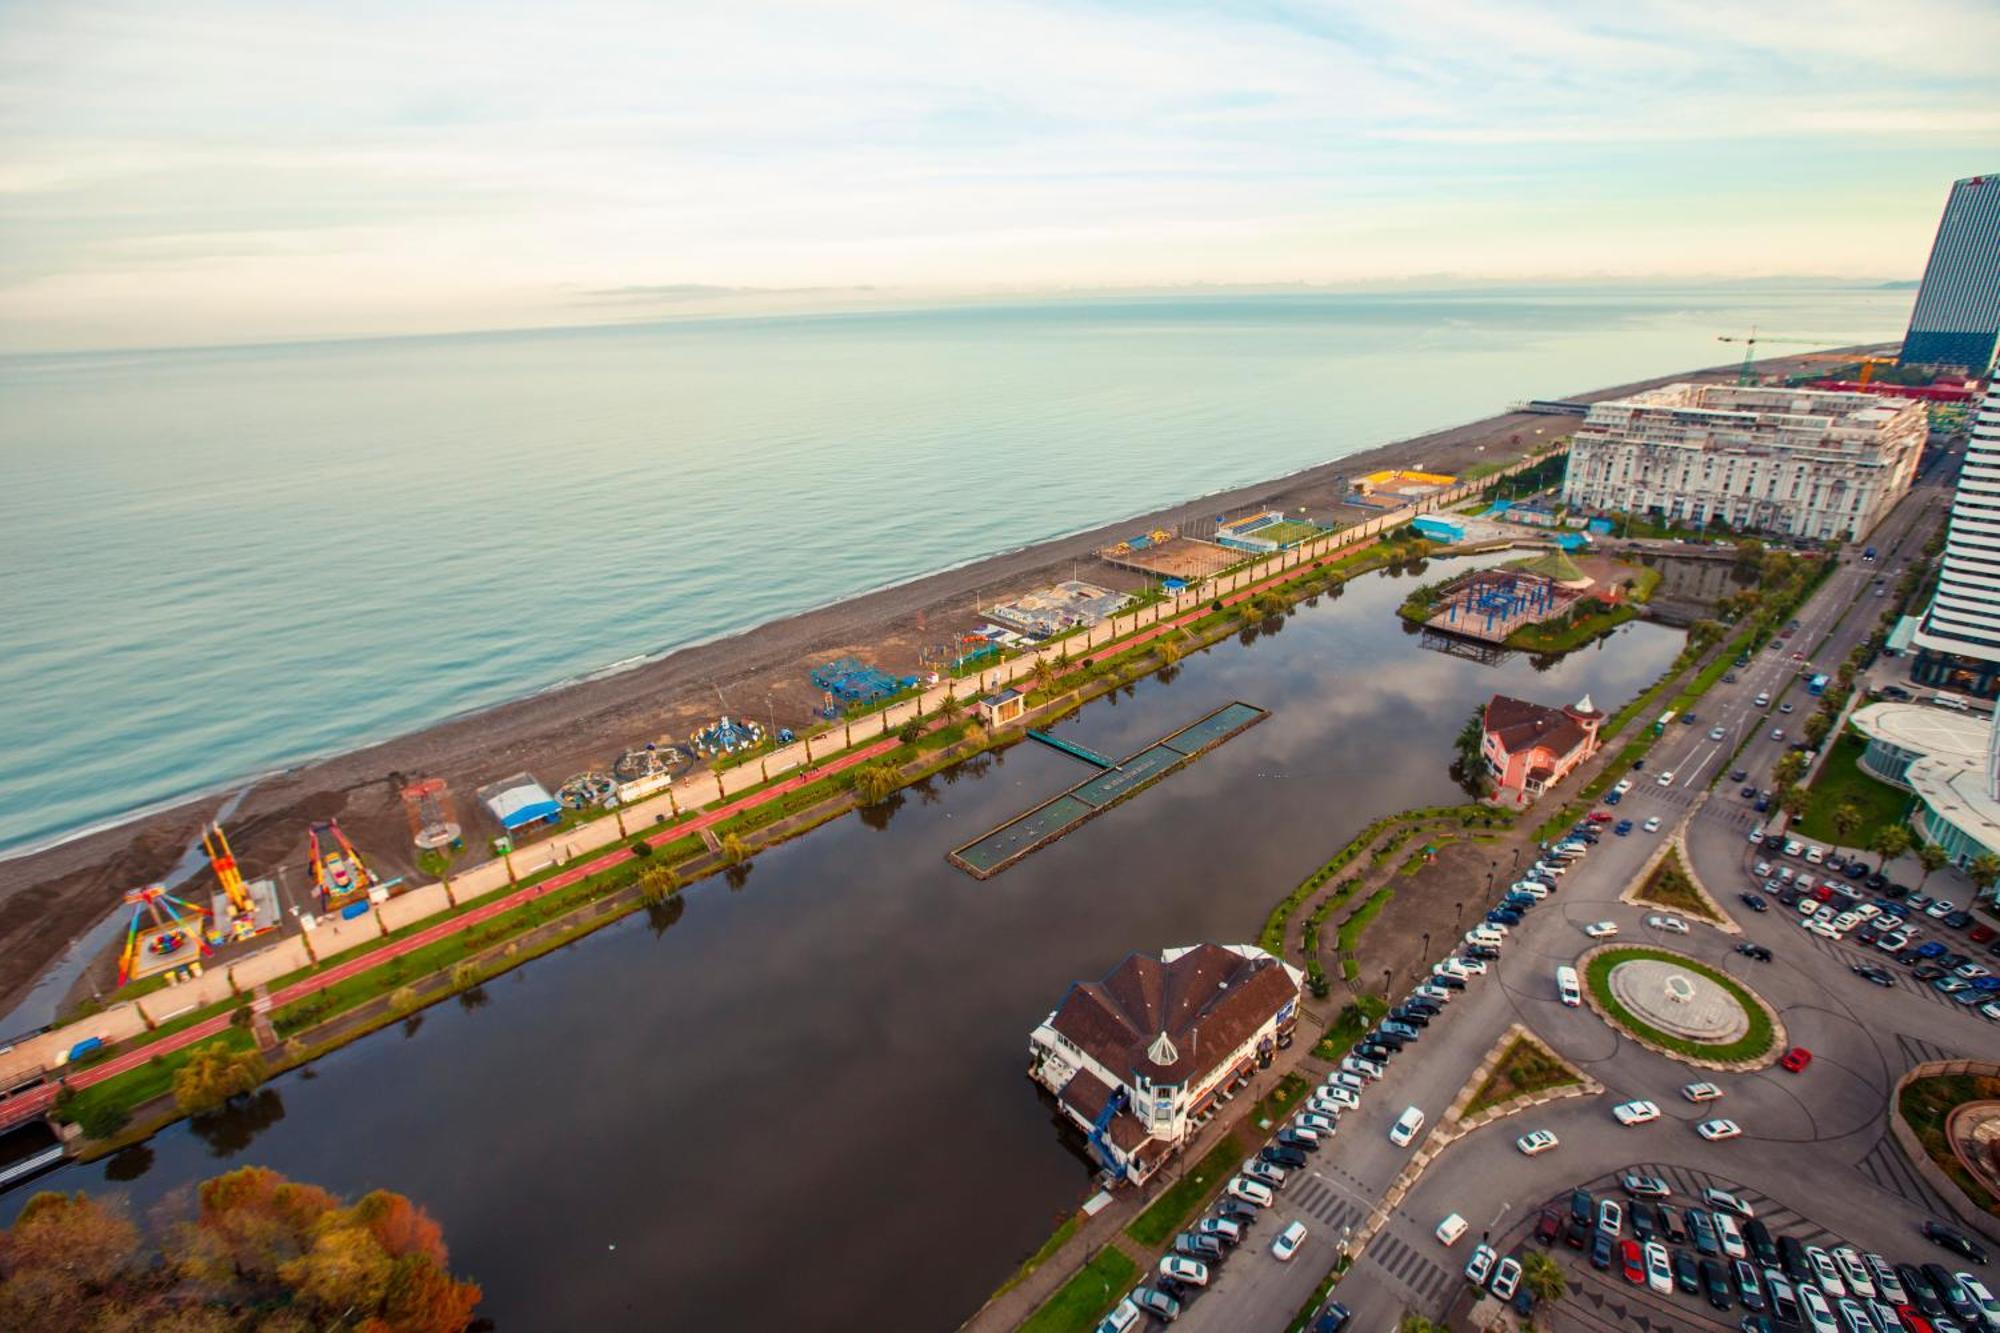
[1957,318]
[1958,640]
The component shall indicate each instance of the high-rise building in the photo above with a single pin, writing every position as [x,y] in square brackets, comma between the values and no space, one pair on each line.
[1957,317]
[1811,463]
[1958,641]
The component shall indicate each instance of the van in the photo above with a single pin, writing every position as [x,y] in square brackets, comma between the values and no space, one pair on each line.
[1449,1230]
[1407,1126]
[1567,988]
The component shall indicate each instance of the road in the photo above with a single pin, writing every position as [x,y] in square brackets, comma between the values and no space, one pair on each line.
[1825,1125]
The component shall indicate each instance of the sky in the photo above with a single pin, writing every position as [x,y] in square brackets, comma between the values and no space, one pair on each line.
[211,171]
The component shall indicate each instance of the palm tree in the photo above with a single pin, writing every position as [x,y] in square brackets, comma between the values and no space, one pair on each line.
[1892,842]
[1984,869]
[1846,818]
[1045,674]
[1544,1277]
[948,711]
[1931,857]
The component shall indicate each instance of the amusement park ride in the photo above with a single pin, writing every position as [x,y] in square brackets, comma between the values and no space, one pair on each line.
[167,933]
[239,910]
[340,877]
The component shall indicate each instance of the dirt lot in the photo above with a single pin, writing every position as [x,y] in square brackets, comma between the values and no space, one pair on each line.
[49,898]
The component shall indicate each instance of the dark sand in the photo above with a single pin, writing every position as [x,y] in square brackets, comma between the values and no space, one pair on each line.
[49,898]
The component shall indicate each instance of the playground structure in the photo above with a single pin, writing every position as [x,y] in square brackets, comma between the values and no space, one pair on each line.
[1046,612]
[238,910]
[433,818]
[587,789]
[159,934]
[726,735]
[339,875]
[848,680]
[1491,604]
[646,771]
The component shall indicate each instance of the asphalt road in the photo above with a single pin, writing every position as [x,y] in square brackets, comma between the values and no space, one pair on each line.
[1814,1156]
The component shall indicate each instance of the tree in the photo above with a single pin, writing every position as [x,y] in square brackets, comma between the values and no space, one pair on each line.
[734,850]
[1789,769]
[1167,649]
[1889,843]
[213,1074]
[1416,1323]
[1816,728]
[1984,869]
[1932,858]
[1846,818]
[874,783]
[1795,803]
[1044,673]
[657,885]
[1544,1277]
[950,710]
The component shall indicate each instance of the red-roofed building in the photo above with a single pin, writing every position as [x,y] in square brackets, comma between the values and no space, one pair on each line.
[1529,748]
[1140,1059]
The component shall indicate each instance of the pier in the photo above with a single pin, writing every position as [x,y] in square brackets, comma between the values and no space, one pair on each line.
[992,852]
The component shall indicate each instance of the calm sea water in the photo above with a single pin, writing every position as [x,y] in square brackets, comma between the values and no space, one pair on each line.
[221,562]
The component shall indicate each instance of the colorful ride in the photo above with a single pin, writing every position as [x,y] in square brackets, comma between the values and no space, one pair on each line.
[161,927]
[338,872]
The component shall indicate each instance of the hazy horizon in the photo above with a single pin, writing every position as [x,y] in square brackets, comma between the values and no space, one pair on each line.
[227,173]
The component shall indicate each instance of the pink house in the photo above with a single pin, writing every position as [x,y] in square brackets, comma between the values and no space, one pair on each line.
[1529,748]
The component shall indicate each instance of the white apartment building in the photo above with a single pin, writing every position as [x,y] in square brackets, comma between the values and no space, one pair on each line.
[1958,639]
[1140,1059]
[1796,462]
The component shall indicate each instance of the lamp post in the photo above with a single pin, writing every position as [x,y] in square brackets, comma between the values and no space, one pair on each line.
[1388,975]
[1457,913]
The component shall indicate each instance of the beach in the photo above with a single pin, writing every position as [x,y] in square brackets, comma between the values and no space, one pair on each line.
[49,897]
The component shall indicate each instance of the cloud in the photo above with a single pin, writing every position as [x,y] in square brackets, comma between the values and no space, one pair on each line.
[239,169]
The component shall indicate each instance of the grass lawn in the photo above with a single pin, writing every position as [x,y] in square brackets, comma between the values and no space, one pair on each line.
[1564,635]
[1669,886]
[115,1097]
[1286,532]
[1753,1043]
[1926,1104]
[1166,1213]
[1079,1303]
[1525,1069]
[1842,780]
[1350,929]
[1353,1023]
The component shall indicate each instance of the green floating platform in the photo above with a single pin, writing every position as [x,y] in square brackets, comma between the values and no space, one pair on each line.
[991,853]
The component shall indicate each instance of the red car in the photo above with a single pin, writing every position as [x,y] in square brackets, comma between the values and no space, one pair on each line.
[1796,1059]
[1635,1264]
[1980,934]
[1601,816]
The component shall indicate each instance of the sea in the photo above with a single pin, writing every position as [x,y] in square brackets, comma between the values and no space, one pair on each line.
[219,563]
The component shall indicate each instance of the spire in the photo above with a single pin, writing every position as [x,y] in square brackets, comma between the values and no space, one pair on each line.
[1584,705]
[1162,1051]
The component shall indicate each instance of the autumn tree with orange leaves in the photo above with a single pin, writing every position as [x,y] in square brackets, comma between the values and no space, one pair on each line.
[261,1253]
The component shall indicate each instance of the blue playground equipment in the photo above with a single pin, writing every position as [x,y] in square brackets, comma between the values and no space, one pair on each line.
[1500,597]
[852,681]
[1113,1104]
[726,735]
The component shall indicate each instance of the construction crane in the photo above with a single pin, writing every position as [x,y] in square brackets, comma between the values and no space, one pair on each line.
[1749,376]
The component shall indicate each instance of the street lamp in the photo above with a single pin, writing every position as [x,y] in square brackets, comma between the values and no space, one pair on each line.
[1388,975]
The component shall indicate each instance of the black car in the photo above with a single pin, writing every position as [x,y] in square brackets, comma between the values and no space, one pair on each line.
[1748,793]
[1292,1139]
[1577,1234]
[1283,1156]
[1686,1276]
[1959,920]
[1758,1237]
[1919,1290]
[1877,881]
[1715,1282]
[1739,775]
[1898,891]
[1670,1226]
[1785,1301]
[1485,953]
[1870,972]
[1754,902]
[1388,1039]
[1410,1017]
[1332,1319]
[1581,1206]
[1600,1250]
[1756,951]
[1748,1289]
[1948,1290]
[1792,1254]
[1237,1211]
[1448,981]
[1376,1051]
[1645,1222]
[1757,1323]
[1420,1005]
[1774,842]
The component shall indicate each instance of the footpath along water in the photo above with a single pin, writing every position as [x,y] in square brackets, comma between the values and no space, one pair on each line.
[797,1098]
[222,562]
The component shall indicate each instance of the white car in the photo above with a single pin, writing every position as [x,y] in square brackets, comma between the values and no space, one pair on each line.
[1673,925]
[1534,888]
[1319,1124]
[1251,1191]
[1622,786]
[1715,1131]
[1981,1295]
[1941,909]
[1823,1268]
[1777,733]
[1816,855]
[1344,1098]
[1716,733]
[1854,1272]
[1406,1127]
[1701,1092]
[1182,1269]
[1449,1230]
[1636,1113]
[1288,1241]
[1601,930]
[1818,1314]
[1666,779]
[1506,1278]
[1652,825]
[1480,1266]
[1536,1142]
[1731,1236]
[1326,1107]
[1723,1201]
[1355,1064]
[1471,967]
[1659,1273]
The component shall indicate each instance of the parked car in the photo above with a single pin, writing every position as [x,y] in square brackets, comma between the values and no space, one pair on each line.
[1480,1266]
[1156,1303]
[1183,1269]
[1643,1186]
[1506,1278]
[1287,1242]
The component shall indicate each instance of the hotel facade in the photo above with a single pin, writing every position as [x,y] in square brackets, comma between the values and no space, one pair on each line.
[1957,640]
[1807,463]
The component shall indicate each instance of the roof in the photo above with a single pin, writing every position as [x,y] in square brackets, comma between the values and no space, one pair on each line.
[1206,1000]
[1555,566]
[1921,729]
[518,800]
[1517,725]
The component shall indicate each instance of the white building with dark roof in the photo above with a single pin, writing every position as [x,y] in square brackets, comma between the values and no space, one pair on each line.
[1141,1059]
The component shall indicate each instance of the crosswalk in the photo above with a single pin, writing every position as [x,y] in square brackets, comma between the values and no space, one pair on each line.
[1423,1281]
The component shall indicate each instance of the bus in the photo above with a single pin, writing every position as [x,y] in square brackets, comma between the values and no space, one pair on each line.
[1660,727]
[1817,685]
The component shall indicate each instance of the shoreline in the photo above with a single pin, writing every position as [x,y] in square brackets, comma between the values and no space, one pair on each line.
[55,894]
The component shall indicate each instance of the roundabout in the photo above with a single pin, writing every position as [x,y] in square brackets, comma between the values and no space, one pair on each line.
[1681,1008]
